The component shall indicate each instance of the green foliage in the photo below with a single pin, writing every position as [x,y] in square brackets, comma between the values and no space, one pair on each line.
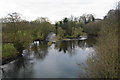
[21,33]
[41,30]
[69,28]
[93,28]
[16,31]
[8,50]
[78,32]
[61,33]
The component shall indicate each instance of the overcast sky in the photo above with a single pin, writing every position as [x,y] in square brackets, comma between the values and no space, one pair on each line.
[56,9]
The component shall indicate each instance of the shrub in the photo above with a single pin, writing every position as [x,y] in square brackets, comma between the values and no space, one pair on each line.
[8,50]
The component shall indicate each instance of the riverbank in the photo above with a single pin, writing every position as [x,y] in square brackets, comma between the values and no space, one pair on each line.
[46,60]
[75,38]
[9,53]
[9,59]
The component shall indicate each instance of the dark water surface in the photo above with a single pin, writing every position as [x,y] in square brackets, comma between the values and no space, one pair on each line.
[60,60]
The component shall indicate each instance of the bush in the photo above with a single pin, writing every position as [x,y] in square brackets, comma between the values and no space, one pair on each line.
[8,50]
[92,28]
[104,64]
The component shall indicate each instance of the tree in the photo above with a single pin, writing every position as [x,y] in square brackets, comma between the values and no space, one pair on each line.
[65,20]
[19,38]
[42,19]
[61,33]
[13,19]
[86,18]
[77,32]
[42,28]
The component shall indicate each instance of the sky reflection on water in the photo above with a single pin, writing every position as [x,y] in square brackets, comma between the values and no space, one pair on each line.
[60,60]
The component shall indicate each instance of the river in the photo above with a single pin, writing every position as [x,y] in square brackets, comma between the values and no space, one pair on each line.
[63,59]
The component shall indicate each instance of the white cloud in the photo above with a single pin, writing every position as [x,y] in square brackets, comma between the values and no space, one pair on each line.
[55,9]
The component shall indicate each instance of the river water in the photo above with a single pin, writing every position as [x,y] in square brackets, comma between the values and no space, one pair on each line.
[63,59]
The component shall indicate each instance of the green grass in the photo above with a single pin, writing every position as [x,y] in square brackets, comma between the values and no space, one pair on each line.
[8,50]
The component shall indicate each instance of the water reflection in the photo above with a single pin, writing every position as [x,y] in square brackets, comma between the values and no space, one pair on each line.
[69,46]
[14,68]
[40,51]
[60,60]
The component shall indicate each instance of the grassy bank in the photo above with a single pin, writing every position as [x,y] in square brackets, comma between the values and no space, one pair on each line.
[9,51]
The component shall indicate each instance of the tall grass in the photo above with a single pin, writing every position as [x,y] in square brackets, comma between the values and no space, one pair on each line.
[104,64]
